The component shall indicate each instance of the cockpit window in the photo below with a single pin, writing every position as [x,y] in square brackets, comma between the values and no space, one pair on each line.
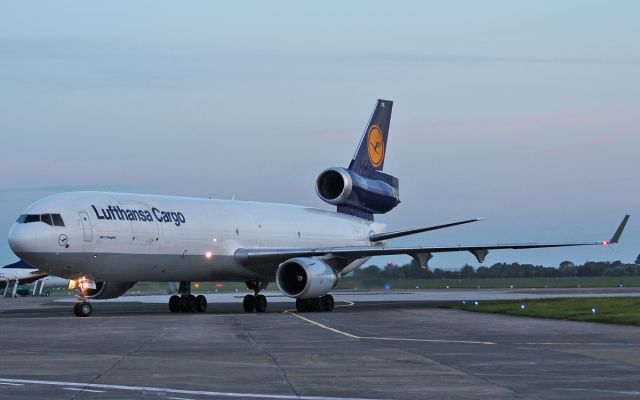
[57,220]
[32,218]
[49,219]
[46,218]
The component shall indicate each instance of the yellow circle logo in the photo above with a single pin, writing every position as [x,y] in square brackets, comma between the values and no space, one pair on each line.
[376,146]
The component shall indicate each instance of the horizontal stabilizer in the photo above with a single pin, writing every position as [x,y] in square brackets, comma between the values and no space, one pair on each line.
[377,237]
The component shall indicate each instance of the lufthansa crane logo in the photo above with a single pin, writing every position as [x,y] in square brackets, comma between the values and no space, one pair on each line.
[63,240]
[375,145]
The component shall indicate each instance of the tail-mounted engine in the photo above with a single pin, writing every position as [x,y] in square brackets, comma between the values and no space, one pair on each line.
[345,188]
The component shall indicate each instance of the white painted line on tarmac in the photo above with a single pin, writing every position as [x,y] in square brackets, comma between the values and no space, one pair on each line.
[427,340]
[11,384]
[334,330]
[349,303]
[83,387]
[84,390]
[572,343]
[349,335]
[627,392]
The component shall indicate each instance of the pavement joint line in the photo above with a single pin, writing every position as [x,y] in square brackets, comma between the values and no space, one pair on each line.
[84,386]
[349,335]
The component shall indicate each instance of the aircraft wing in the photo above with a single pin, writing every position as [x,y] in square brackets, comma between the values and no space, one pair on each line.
[422,254]
[32,277]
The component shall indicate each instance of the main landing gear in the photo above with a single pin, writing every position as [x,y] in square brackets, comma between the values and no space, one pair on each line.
[255,302]
[186,302]
[324,303]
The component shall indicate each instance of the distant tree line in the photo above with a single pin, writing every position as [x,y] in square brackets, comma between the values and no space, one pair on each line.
[499,270]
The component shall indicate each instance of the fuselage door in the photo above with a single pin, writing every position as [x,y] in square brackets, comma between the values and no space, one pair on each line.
[86,226]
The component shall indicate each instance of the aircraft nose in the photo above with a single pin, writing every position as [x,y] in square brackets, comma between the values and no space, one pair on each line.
[20,240]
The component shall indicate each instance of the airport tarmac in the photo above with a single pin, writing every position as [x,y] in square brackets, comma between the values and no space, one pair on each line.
[383,346]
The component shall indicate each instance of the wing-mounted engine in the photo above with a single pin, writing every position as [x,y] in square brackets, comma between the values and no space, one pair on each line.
[305,278]
[376,194]
[105,290]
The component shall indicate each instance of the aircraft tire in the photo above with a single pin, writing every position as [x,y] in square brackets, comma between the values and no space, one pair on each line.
[249,303]
[190,303]
[174,304]
[261,303]
[83,309]
[327,302]
[315,304]
[308,305]
[201,303]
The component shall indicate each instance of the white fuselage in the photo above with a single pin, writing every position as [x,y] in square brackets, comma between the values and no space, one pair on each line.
[130,237]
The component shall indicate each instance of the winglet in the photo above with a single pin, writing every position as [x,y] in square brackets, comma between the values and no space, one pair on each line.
[616,236]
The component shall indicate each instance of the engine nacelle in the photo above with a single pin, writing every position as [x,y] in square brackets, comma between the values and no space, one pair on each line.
[107,290]
[305,278]
[343,187]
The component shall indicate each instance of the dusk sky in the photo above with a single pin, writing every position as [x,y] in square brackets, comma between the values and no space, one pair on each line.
[526,114]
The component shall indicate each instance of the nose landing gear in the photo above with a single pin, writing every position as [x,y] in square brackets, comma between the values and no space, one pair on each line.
[83,309]
[186,302]
[255,302]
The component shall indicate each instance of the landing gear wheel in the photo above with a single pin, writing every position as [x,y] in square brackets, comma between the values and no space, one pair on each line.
[327,302]
[201,303]
[249,303]
[302,305]
[315,304]
[260,303]
[83,309]
[174,304]
[189,303]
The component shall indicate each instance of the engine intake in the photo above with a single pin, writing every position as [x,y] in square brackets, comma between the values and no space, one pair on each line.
[305,278]
[376,194]
[334,185]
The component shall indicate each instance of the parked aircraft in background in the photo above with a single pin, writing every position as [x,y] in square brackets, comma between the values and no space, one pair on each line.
[109,241]
[21,273]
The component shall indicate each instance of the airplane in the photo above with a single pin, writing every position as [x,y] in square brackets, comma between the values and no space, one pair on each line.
[24,274]
[107,241]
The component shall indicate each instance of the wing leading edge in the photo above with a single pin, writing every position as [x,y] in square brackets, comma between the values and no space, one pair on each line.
[421,254]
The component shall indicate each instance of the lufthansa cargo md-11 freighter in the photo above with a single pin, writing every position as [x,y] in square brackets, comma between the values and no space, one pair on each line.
[107,242]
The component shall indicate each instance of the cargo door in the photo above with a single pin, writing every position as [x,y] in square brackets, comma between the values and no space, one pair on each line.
[86,226]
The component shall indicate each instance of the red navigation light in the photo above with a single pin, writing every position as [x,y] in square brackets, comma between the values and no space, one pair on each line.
[606,242]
